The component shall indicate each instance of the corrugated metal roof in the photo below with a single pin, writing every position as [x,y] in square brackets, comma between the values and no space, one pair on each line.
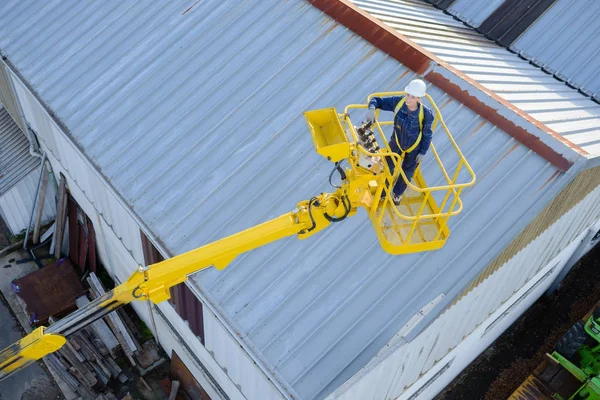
[512,18]
[540,95]
[195,118]
[441,4]
[474,12]
[565,42]
[15,160]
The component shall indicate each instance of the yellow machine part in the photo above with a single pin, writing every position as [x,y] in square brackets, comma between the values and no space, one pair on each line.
[328,136]
[419,223]
[32,347]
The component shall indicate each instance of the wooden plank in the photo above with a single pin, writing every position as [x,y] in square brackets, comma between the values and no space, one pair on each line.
[101,329]
[97,360]
[114,317]
[111,320]
[64,371]
[40,205]
[69,344]
[61,206]
[174,390]
[113,365]
[87,377]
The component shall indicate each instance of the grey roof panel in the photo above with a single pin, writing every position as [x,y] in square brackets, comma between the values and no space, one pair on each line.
[195,118]
[474,12]
[512,18]
[565,42]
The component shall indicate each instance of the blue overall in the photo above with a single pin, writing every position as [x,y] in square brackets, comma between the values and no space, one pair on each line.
[406,129]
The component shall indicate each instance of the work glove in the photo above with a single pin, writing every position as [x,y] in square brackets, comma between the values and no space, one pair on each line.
[370,117]
[420,158]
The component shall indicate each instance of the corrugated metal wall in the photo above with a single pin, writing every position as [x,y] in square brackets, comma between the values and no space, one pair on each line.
[586,182]
[388,376]
[565,42]
[236,361]
[15,160]
[7,97]
[17,203]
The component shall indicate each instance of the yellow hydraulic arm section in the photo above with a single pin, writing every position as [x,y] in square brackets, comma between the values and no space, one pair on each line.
[153,282]
[363,184]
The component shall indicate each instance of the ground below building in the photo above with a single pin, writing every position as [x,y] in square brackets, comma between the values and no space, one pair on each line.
[497,372]
[32,383]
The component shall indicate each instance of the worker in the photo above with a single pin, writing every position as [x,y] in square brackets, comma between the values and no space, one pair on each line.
[410,138]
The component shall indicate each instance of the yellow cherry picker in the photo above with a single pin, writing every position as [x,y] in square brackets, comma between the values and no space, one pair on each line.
[419,223]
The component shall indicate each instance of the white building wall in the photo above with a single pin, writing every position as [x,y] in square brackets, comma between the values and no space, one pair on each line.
[405,364]
[120,250]
[16,204]
[444,371]
[235,360]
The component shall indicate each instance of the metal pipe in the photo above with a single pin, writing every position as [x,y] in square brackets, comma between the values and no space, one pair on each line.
[35,200]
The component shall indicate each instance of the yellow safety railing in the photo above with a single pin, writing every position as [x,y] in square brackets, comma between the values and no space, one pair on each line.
[385,215]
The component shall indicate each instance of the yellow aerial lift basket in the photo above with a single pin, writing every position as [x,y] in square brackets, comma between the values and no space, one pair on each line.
[420,222]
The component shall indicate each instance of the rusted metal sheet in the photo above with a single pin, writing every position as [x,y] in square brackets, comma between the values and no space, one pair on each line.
[507,125]
[91,246]
[50,291]
[424,63]
[82,245]
[189,308]
[189,384]
[381,36]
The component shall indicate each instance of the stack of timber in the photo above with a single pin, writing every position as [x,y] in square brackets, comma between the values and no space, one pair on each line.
[88,361]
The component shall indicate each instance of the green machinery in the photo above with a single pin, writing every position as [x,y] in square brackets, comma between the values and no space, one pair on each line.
[578,351]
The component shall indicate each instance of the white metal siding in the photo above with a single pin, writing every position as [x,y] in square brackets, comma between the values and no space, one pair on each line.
[448,330]
[240,368]
[16,204]
[432,382]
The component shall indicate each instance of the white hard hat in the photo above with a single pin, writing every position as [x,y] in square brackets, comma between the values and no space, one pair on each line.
[416,87]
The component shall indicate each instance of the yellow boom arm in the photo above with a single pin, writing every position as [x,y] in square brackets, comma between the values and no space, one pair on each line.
[418,225]
[153,282]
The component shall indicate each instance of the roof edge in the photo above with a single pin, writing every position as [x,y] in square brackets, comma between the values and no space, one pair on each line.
[430,67]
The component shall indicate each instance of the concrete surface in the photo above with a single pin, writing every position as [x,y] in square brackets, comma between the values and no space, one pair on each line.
[30,379]
[33,382]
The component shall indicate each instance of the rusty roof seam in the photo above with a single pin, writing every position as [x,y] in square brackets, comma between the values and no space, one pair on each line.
[425,63]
